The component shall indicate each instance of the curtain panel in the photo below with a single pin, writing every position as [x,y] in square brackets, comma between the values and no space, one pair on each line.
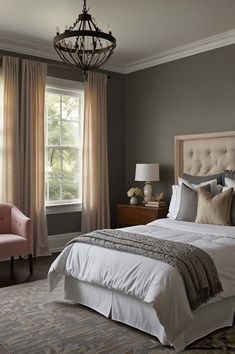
[22,143]
[32,169]
[10,176]
[95,196]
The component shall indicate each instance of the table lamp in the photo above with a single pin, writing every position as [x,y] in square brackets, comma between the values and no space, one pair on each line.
[147,172]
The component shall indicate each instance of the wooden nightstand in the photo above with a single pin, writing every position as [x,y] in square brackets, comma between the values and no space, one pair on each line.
[128,215]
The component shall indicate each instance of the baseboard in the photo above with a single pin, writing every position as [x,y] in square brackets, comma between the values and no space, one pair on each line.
[58,242]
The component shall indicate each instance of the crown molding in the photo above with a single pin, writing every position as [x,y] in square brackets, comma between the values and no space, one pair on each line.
[203,45]
[29,46]
[114,68]
[43,49]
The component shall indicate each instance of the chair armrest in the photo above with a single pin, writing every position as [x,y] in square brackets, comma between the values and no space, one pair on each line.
[21,225]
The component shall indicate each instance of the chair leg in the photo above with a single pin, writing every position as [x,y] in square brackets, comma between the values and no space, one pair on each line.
[12,265]
[30,264]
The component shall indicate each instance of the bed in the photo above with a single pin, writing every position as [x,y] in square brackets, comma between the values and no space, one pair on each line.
[146,293]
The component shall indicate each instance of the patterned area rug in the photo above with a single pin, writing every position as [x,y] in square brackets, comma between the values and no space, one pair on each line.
[32,321]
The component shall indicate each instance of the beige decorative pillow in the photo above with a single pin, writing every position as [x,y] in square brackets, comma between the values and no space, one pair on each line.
[214,209]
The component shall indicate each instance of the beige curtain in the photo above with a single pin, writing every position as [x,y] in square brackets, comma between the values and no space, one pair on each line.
[32,192]
[95,213]
[10,189]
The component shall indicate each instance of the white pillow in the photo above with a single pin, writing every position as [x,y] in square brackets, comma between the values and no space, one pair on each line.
[229,182]
[214,187]
[175,202]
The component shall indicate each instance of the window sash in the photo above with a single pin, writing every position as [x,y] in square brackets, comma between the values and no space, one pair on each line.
[61,147]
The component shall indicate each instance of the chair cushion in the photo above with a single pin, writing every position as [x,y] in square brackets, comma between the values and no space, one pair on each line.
[13,245]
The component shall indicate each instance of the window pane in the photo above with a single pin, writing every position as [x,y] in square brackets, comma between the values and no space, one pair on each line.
[70,108]
[54,162]
[70,135]
[70,189]
[54,132]
[54,189]
[53,118]
[53,105]
[70,163]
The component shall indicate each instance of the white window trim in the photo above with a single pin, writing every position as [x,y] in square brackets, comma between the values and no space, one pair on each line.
[61,84]
[54,85]
[63,208]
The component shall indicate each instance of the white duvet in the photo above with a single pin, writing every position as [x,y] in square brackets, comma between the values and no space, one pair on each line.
[149,280]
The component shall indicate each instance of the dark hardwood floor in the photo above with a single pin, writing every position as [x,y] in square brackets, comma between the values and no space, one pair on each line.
[41,266]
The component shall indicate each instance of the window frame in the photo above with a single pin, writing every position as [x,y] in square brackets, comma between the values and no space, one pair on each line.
[68,88]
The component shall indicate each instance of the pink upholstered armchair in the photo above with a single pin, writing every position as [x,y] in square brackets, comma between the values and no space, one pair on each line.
[15,235]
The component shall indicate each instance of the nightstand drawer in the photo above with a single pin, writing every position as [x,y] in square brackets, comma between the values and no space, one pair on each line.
[134,216]
[128,215]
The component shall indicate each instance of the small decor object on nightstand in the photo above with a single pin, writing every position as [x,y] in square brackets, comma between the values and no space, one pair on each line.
[157,202]
[134,193]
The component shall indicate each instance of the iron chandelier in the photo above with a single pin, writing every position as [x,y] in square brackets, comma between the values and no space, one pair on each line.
[84,45]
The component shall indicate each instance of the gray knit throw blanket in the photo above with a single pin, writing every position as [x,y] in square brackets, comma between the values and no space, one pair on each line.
[195,265]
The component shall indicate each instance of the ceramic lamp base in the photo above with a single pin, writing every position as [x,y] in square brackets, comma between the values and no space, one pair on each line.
[147,192]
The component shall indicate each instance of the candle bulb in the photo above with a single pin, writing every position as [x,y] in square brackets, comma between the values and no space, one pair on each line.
[109,30]
[57,30]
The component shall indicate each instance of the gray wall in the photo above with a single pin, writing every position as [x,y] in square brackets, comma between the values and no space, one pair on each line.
[191,95]
[63,223]
[116,141]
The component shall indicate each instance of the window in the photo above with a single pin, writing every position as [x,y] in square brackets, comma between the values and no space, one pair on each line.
[63,139]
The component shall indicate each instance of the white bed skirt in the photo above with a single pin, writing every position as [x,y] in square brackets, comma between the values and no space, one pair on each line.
[140,315]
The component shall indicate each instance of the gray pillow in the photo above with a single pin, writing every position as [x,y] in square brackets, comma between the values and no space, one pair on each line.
[200,179]
[188,203]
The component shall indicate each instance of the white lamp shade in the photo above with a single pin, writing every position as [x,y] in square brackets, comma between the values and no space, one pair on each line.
[147,172]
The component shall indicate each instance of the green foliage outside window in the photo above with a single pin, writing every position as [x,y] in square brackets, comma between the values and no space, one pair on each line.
[63,126]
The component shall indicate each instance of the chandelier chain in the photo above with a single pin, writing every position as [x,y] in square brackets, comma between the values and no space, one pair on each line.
[84,6]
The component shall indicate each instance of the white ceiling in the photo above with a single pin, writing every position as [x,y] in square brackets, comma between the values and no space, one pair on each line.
[147,31]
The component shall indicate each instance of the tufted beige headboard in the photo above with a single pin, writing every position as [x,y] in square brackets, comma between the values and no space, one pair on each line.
[204,154]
